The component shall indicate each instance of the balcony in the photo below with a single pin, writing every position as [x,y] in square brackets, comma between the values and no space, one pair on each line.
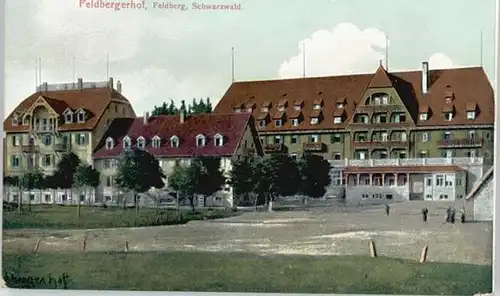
[316,147]
[380,108]
[273,148]
[30,148]
[380,144]
[61,147]
[460,143]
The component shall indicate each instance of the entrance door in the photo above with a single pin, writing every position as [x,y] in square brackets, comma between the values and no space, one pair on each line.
[449,154]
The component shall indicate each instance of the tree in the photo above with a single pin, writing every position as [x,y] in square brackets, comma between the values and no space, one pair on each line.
[30,181]
[165,109]
[65,172]
[85,177]
[14,181]
[183,181]
[245,179]
[138,172]
[211,178]
[315,175]
[51,182]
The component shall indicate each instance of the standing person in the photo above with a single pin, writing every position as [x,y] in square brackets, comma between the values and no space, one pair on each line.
[462,214]
[425,211]
[452,217]
[448,214]
[387,209]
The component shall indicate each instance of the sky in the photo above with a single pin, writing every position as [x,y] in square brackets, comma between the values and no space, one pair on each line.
[160,54]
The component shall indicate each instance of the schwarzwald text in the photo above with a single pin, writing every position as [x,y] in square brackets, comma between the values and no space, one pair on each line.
[203,6]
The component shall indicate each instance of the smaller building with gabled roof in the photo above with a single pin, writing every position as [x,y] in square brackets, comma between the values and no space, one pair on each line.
[480,199]
[175,140]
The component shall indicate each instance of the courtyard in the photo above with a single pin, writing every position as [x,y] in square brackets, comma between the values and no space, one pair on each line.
[330,230]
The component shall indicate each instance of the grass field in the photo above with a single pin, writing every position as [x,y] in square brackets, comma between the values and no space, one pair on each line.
[65,217]
[234,272]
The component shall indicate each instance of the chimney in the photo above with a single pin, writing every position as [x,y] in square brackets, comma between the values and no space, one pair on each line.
[182,112]
[425,77]
[145,118]
[45,86]
[80,83]
[119,86]
[110,83]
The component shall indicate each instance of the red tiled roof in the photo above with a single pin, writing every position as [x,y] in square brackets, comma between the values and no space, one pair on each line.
[424,108]
[339,112]
[282,103]
[294,114]
[380,79]
[315,113]
[449,107]
[471,106]
[278,115]
[298,102]
[93,100]
[402,169]
[230,126]
[468,84]
[262,115]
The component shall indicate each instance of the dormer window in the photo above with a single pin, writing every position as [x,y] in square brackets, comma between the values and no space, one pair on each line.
[110,143]
[471,115]
[156,142]
[174,142]
[15,120]
[218,140]
[424,116]
[127,142]
[249,107]
[314,120]
[237,110]
[448,116]
[68,116]
[200,140]
[81,116]
[316,106]
[141,143]
[281,108]
[278,122]
[295,121]
[262,123]
[340,105]
[337,119]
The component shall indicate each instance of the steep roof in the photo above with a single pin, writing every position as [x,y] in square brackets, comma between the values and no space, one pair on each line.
[230,126]
[467,85]
[93,100]
[483,181]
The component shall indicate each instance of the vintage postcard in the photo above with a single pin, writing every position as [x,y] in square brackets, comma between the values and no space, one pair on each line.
[327,146]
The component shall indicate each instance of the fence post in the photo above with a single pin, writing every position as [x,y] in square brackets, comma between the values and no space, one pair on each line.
[373,249]
[84,242]
[423,256]
[126,246]
[37,245]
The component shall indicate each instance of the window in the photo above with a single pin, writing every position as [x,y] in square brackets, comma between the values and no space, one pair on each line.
[278,122]
[15,120]
[174,142]
[27,120]
[82,197]
[471,115]
[262,123]
[297,107]
[428,196]
[471,153]
[81,116]
[264,109]
[277,140]
[314,120]
[314,139]
[219,140]
[47,140]
[472,135]
[109,181]
[293,156]
[385,100]
[425,137]
[16,141]
[364,196]
[460,197]
[47,160]
[388,196]
[439,180]
[423,116]
[340,105]
[281,108]
[68,118]
[141,143]
[337,119]
[337,156]
[294,139]
[32,196]
[47,197]
[443,196]
[448,116]
[295,122]
[200,141]
[423,154]
[237,110]
[110,163]
[156,142]
[336,138]
[110,143]
[81,139]
[458,182]
[127,143]
[448,182]
[316,106]
[16,161]
[385,137]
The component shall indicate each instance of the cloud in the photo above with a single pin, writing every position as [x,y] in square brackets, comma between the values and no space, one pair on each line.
[346,49]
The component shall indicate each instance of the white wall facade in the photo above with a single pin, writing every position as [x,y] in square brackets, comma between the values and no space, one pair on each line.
[483,202]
